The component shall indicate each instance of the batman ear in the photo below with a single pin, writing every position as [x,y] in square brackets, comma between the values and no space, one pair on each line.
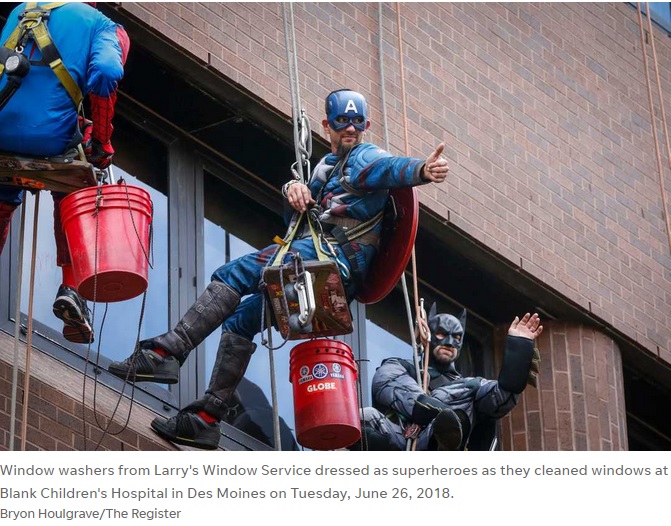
[432,311]
[462,320]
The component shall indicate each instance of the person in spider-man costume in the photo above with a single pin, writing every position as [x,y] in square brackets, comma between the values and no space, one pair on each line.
[41,119]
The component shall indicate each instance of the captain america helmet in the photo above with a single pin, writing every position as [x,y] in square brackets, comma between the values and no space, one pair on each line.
[345,107]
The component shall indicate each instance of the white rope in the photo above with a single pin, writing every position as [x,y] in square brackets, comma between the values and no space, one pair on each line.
[273,383]
[303,151]
[301,124]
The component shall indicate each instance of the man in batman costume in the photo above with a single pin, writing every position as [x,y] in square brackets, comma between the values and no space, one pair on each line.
[456,412]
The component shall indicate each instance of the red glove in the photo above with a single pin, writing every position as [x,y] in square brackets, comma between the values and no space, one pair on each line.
[99,154]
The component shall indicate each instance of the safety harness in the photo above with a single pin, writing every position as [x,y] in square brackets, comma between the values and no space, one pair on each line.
[33,26]
[347,232]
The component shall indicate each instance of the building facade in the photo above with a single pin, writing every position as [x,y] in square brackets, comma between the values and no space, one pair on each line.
[554,204]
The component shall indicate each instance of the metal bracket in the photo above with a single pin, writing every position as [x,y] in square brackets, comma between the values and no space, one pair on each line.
[306,298]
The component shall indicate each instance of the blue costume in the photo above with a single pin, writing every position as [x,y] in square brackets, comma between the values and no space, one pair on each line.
[349,189]
[41,119]
[368,173]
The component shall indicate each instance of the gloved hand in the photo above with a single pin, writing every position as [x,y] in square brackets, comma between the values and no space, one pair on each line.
[86,129]
[426,409]
[99,154]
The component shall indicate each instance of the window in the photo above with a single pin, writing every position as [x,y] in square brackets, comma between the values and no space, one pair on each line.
[141,161]
[234,227]
[115,344]
[660,13]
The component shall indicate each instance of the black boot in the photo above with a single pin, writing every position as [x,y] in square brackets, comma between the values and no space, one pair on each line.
[447,430]
[188,428]
[71,309]
[147,365]
[209,311]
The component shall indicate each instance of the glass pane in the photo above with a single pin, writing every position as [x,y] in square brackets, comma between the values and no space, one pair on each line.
[117,331]
[660,12]
[381,344]
[221,245]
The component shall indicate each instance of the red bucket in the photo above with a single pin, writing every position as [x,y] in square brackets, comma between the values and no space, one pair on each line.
[124,219]
[323,374]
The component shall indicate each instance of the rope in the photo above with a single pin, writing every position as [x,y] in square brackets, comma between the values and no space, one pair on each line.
[667,221]
[359,393]
[17,328]
[301,171]
[273,386]
[29,335]
[385,129]
[406,141]
[105,428]
[418,311]
[301,124]
[404,284]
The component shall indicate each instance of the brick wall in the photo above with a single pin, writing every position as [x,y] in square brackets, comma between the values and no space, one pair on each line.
[543,108]
[579,402]
[55,420]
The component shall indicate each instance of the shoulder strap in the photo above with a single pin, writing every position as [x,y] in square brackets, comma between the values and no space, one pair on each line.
[32,23]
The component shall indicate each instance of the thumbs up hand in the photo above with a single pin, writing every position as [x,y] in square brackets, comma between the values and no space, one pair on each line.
[436,167]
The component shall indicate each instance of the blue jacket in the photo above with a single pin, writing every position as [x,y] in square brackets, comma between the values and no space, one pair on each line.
[361,190]
[41,118]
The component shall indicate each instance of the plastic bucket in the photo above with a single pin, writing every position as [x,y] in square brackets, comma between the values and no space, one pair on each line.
[123,224]
[323,374]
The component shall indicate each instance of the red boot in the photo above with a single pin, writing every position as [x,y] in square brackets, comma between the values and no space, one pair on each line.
[6,213]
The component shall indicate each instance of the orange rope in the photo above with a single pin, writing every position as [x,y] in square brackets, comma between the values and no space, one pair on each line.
[415,286]
[664,124]
[660,169]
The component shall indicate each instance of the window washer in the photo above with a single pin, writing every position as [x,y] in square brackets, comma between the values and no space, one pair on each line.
[348,187]
[455,409]
[53,55]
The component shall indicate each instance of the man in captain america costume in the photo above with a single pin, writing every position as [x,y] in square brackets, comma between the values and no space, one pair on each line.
[348,187]
[41,118]
[448,415]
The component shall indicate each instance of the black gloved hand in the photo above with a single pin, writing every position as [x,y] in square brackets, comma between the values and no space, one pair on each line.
[426,409]
[99,154]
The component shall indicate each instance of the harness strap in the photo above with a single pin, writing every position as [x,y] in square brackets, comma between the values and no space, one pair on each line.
[32,24]
[285,248]
[355,229]
[341,238]
[344,236]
